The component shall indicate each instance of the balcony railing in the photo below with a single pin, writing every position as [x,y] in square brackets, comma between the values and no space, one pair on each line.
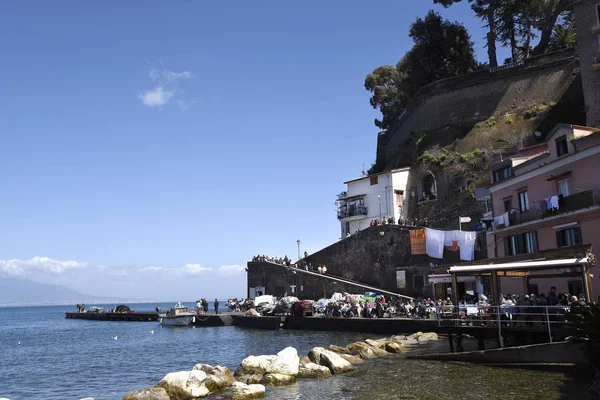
[352,211]
[574,202]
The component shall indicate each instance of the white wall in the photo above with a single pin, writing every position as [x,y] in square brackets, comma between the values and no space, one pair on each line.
[385,187]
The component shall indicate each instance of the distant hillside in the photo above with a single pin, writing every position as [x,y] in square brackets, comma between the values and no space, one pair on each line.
[15,291]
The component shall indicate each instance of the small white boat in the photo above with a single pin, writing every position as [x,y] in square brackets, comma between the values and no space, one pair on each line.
[178,316]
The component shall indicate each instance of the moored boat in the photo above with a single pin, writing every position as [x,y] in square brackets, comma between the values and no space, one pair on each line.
[180,315]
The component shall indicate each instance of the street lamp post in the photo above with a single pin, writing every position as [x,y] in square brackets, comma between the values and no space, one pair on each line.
[379,201]
[298,241]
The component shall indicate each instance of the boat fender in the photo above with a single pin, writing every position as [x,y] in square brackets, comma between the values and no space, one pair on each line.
[193,320]
[161,321]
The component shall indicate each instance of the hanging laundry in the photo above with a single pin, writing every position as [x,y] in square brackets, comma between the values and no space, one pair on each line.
[417,242]
[548,204]
[451,240]
[499,220]
[554,202]
[434,243]
[466,241]
[506,219]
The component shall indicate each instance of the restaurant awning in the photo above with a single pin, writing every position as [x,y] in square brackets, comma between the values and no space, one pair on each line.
[521,265]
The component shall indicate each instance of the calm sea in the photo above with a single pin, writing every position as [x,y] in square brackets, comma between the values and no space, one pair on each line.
[61,358]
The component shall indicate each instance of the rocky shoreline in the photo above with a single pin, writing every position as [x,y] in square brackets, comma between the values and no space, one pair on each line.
[254,373]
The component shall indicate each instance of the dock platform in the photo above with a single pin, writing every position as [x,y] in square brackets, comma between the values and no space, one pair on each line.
[140,316]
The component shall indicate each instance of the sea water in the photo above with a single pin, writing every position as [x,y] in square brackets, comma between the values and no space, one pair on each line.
[60,358]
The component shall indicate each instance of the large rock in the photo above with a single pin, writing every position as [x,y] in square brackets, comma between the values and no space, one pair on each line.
[282,367]
[219,377]
[364,351]
[398,338]
[148,394]
[278,379]
[426,337]
[415,335]
[241,391]
[185,385]
[408,341]
[304,360]
[312,370]
[352,359]
[393,347]
[256,364]
[315,354]
[338,349]
[335,362]
[378,344]
[286,362]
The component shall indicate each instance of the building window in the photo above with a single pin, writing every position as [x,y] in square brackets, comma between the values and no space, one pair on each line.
[568,237]
[503,173]
[508,204]
[598,13]
[419,282]
[561,146]
[523,201]
[523,243]
[374,180]
[563,187]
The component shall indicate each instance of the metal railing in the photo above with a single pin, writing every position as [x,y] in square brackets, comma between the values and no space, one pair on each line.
[514,317]
[578,201]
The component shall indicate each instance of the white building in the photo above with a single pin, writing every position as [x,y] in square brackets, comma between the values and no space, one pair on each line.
[371,198]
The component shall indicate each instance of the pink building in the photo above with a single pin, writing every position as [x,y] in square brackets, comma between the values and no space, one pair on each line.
[547,197]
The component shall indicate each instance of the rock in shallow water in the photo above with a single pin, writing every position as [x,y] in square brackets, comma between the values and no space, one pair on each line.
[352,359]
[185,385]
[278,379]
[241,391]
[219,377]
[392,347]
[335,362]
[365,351]
[147,394]
[312,370]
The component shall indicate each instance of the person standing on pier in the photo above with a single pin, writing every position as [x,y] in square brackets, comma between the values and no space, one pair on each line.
[216,306]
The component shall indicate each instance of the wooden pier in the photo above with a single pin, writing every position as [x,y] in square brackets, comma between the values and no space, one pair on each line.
[139,316]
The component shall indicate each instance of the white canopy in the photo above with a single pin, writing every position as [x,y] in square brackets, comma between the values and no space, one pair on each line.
[543,264]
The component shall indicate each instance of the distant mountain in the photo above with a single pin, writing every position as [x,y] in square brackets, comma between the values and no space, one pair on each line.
[15,291]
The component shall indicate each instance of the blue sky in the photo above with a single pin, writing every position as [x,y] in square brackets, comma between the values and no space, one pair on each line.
[168,134]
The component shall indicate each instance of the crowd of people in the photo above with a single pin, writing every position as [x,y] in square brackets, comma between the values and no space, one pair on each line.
[277,260]
[404,222]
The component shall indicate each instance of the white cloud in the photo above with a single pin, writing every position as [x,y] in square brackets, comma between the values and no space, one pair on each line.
[166,87]
[194,269]
[16,267]
[151,282]
[228,270]
[156,97]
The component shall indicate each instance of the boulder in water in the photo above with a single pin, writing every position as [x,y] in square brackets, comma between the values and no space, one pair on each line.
[278,379]
[335,362]
[426,337]
[286,362]
[313,370]
[338,349]
[185,385]
[352,359]
[364,351]
[393,347]
[147,394]
[242,391]
[218,377]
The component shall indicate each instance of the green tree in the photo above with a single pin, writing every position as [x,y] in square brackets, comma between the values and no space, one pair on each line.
[442,49]
[516,23]
[562,38]
[487,11]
